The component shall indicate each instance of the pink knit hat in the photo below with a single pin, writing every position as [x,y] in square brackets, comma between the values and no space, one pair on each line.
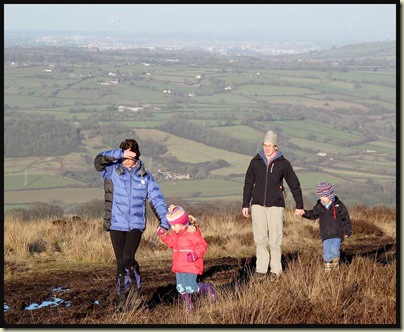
[177,215]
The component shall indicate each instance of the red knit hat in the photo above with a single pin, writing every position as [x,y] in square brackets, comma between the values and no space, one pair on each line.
[177,215]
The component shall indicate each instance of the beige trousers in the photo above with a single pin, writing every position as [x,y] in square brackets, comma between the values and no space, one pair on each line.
[267,226]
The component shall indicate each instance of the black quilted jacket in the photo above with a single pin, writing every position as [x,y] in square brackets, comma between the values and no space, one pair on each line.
[264,185]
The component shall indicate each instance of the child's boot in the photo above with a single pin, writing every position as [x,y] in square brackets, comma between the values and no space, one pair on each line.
[327,266]
[187,298]
[207,288]
[335,263]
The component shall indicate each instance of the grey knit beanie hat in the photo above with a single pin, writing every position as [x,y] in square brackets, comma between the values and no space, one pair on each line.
[271,137]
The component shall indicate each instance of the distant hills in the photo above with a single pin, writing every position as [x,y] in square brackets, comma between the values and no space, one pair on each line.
[242,43]
[199,115]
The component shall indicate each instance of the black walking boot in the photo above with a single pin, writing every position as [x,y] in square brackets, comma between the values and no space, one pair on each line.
[136,281]
[121,291]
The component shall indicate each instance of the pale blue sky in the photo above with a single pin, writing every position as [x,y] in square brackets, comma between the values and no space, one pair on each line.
[372,21]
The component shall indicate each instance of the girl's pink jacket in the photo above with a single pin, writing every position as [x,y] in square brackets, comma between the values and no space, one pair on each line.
[183,243]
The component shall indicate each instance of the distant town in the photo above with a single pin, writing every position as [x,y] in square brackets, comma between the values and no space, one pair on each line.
[126,41]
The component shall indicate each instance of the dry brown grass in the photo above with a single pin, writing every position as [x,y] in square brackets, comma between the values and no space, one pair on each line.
[362,292]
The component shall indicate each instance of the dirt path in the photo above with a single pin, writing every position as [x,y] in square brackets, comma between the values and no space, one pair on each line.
[91,295]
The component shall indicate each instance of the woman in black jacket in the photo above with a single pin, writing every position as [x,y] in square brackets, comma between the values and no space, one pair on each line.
[263,189]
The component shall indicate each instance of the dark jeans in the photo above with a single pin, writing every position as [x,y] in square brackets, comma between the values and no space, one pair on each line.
[125,245]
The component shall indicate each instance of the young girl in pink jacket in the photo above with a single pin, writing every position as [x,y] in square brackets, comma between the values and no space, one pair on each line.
[188,248]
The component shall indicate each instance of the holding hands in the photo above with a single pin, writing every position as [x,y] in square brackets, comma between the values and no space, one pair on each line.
[299,212]
[161,231]
[246,212]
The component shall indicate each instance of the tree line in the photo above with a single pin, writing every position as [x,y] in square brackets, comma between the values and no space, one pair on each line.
[28,135]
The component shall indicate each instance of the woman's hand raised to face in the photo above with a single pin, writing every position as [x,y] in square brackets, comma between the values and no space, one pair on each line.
[129,154]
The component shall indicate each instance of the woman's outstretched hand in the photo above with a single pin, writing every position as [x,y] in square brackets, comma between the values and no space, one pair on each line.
[299,212]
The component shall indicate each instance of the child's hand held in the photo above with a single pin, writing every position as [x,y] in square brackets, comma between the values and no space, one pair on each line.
[161,231]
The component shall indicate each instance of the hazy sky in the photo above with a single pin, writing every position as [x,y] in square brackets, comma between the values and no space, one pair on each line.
[378,20]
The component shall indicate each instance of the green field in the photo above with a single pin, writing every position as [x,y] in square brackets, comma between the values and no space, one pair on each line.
[336,122]
[36,181]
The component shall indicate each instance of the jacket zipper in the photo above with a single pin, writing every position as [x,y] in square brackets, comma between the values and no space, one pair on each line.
[266,182]
[130,196]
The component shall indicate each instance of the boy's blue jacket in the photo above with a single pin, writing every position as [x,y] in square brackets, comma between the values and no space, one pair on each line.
[126,193]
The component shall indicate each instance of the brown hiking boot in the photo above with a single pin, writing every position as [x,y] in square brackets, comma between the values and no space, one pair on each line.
[274,276]
[335,263]
[258,276]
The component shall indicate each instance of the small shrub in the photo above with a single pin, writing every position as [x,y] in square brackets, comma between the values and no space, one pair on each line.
[366,228]
[91,209]
[37,246]
[41,210]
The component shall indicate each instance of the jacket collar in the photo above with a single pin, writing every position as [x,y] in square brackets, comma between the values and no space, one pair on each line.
[138,167]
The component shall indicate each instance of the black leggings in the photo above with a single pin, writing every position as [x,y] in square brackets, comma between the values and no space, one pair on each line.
[125,245]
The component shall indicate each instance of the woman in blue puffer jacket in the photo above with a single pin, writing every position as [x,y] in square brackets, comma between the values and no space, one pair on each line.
[128,186]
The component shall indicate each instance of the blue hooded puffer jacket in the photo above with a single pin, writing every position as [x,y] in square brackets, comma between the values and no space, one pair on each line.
[126,193]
